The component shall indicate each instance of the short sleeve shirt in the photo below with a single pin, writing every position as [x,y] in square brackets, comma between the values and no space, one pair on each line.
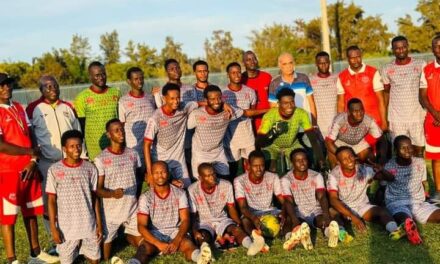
[73,187]
[352,190]
[303,191]
[352,135]
[163,212]
[211,207]
[260,84]
[259,196]
[407,187]
[325,95]
[119,171]
[299,119]
[97,108]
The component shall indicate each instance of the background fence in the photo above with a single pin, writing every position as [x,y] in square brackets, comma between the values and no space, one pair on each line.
[68,93]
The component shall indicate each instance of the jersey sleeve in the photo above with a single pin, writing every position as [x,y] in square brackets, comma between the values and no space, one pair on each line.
[309,89]
[384,75]
[94,180]
[230,195]
[334,129]
[340,87]
[121,111]
[319,183]
[305,121]
[374,130]
[285,187]
[144,204]
[238,189]
[79,105]
[183,201]
[192,122]
[377,82]
[253,98]
[369,172]
[99,166]
[192,201]
[51,182]
[266,124]
[277,186]
[423,81]
[332,183]
[191,106]
[151,129]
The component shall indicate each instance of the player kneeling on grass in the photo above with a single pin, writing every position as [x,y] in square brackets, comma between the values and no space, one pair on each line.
[117,169]
[405,194]
[211,200]
[347,187]
[74,210]
[254,192]
[305,197]
[164,221]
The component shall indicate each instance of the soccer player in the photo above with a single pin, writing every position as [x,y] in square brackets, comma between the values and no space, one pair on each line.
[210,123]
[50,118]
[117,169]
[429,97]
[94,107]
[74,210]
[165,135]
[255,191]
[362,81]
[347,188]
[164,221]
[239,140]
[297,82]
[401,79]
[201,72]
[135,108]
[258,80]
[405,194]
[305,197]
[214,214]
[277,135]
[324,92]
[354,129]
[20,190]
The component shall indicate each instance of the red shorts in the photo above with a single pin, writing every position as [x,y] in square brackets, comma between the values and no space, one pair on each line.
[432,135]
[17,195]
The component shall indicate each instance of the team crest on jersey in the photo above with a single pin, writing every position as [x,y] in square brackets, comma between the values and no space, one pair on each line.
[163,123]
[202,119]
[8,119]
[314,82]
[342,183]
[347,83]
[130,104]
[417,69]
[199,199]
[132,158]
[222,196]
[365,79]
[12,197]
[247,189]
[431,76]
[269,186]
[66,114]
[313,184]
[343,129]
[60,174]
[294,186]
[90,100]
[391,71]
[247,96]
[176,202]
[393,171]
[107,162]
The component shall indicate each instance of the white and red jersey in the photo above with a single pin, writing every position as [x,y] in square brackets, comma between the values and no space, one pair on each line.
[163,212]
[73,187]
[49,122]
[14,129]
[325,93]
[259,196]
[119,171]
[303,191]
[352,189]
[134,112]
[240,133]
[407,187]
[211,206]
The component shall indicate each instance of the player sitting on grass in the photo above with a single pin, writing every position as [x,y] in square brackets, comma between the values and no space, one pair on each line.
[347,187]
[254,192]
[405,195]
[305,197]
[74,210]
[211,200]
[164,221]
[117,169]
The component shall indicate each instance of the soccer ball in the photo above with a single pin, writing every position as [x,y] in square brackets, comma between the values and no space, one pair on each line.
[270,225]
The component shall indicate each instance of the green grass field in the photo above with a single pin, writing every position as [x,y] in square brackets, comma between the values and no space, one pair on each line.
[373,247]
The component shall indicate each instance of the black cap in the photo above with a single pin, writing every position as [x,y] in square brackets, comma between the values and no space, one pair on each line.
[5,79]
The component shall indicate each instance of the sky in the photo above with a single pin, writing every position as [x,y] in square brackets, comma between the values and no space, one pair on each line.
[31,28]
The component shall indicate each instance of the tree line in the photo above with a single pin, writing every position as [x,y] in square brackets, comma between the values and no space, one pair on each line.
[348,25]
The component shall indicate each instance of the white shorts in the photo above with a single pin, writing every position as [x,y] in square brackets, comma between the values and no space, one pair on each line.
[235,154]
[358,148]
[69,250]
[310,217]
[218,227]
[164,236]
[219,162]
[360,210]
[180,173]
[111,229]
[419,211]
[415,131]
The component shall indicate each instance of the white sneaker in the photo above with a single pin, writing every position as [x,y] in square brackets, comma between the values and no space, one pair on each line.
[205,254]
[294,239]
[116,260]
[306,240]
[43,258]
[257,244]
[16,262]
[333,234]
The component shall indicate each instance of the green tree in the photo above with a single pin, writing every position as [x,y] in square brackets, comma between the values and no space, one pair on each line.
[173,50]
[143,56]
[110,47]
[220,51]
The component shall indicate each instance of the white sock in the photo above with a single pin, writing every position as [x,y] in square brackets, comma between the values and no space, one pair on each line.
[247,242]
[391,226]
[195,255]
[326,232]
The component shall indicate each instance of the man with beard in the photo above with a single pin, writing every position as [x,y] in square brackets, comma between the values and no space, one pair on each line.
[94,107]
